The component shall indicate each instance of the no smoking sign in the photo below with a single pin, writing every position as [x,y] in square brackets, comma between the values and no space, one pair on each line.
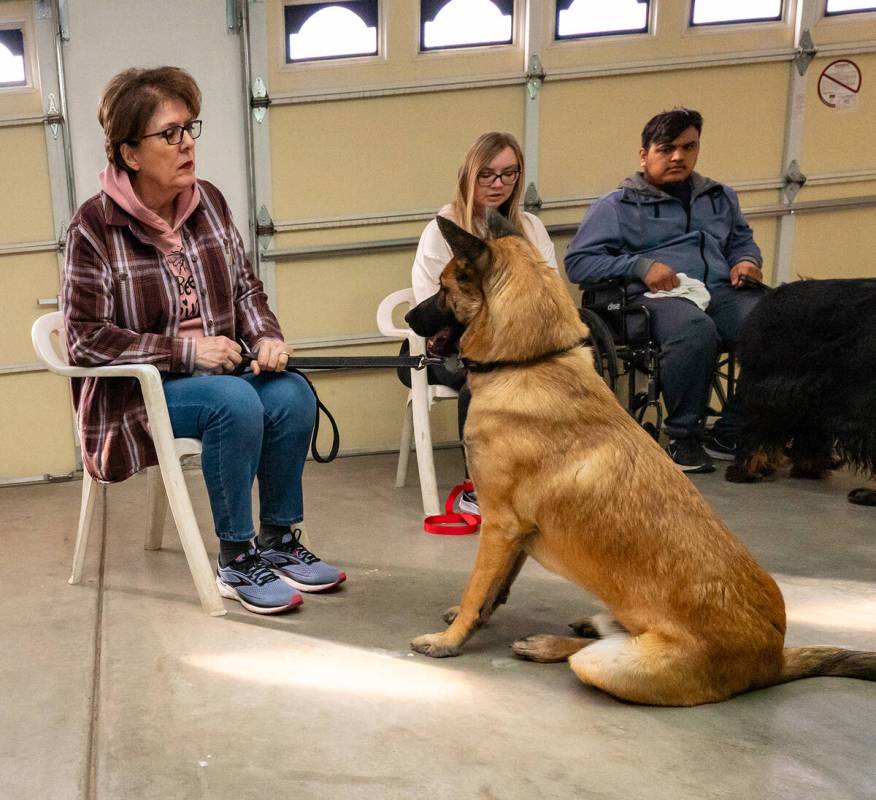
[839,85]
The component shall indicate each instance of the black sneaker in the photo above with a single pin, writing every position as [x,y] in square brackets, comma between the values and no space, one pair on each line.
[689,456]
[722,449]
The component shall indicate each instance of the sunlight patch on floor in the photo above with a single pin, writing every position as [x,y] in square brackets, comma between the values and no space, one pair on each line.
[338,668]
[829,603]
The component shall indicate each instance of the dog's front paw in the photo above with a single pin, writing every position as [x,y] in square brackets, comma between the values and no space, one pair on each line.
[737,473]
[434,645]
[451,614]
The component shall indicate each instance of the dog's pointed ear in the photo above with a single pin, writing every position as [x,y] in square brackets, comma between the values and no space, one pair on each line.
[499,226]
[463,245]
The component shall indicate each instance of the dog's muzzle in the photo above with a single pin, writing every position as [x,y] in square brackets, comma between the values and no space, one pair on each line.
[431,316]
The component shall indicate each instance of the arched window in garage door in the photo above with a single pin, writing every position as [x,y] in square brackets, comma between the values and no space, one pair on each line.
[716,12]
[331,30]
[12,57]
[465,23]
[580,18]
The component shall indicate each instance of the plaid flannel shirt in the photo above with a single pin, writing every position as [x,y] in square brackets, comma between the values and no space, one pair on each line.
[121,306]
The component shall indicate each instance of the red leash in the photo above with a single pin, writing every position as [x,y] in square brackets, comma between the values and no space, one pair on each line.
[451,523]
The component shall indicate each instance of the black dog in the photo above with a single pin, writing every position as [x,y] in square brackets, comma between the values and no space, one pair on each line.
[808,383]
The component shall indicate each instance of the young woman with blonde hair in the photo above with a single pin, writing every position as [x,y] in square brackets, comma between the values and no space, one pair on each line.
[491,176]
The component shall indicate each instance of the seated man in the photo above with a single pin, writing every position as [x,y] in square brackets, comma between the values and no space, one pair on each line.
[661,222]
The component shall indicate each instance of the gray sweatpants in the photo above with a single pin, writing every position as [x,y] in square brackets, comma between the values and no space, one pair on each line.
[690,340]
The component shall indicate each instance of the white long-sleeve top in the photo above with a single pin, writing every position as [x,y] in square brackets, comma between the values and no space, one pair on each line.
[433,252]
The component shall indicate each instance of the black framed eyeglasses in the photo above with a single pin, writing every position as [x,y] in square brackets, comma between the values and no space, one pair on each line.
[174,134]
[486,177]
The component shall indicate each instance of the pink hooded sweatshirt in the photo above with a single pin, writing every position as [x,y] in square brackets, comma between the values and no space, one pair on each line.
[166,238]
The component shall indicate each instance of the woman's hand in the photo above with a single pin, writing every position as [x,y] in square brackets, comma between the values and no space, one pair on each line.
[216,354]
[271,355]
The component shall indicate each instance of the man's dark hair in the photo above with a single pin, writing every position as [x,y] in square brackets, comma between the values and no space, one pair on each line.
[668,125]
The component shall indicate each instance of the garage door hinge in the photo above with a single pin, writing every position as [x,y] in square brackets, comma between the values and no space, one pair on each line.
[535,76]
[794,180]
[531,198]
[265,229]
[805,52]
[259,100]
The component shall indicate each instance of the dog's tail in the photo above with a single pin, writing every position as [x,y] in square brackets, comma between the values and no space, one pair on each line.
[812,662]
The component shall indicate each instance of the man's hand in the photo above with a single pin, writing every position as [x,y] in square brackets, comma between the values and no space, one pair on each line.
[744,268]
[271,355]
[216,354]
[661,277]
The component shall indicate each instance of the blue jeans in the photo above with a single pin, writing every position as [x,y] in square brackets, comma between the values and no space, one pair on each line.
[248,425]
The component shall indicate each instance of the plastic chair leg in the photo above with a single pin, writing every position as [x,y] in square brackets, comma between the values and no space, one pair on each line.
[404,447]
[190,536]
[156,509]
[86,511]
[423,443]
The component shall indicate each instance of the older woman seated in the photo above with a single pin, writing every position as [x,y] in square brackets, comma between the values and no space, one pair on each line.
[156,273]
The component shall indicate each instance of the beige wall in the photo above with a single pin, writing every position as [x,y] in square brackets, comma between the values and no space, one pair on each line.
[392,145]
[36,432]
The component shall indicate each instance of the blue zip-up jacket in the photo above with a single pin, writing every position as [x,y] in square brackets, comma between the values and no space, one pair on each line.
[629,229]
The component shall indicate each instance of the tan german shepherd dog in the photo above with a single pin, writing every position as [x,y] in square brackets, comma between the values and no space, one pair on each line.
[564,474]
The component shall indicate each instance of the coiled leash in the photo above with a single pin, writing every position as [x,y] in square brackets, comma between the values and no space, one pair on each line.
[451,523]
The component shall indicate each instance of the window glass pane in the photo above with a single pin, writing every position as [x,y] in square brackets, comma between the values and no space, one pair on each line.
[847,6]
[12,57]
[331,30]
[596,17]
[464,23]
[705,12]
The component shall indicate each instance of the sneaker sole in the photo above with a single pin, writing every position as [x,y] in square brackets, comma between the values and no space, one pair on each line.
[310,587]
[699,469]
[232,594]
[718,455]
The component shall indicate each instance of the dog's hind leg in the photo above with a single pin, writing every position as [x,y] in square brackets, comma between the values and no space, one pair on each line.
[548,648]
[597,626]
[501,597]
[648,668]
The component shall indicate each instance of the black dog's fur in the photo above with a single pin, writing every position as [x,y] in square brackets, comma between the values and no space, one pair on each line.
[808,382]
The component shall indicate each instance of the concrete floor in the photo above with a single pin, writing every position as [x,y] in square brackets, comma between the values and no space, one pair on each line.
[122,689]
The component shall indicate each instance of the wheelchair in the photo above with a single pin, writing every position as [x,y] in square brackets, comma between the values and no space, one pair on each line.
[624,346]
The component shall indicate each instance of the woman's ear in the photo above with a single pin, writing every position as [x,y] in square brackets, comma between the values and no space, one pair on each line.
[129,156]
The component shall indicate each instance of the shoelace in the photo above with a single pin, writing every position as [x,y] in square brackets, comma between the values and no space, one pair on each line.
[257,570]
[303,554]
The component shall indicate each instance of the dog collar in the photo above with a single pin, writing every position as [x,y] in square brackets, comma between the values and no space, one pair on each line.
[489,366]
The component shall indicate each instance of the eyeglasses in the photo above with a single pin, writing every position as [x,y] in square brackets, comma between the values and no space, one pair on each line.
[174,134]
[487,177]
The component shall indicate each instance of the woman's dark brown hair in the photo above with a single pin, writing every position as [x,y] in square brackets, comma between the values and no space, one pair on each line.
[131,98]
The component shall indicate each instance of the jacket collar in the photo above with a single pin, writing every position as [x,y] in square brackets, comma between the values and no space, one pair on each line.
[646,192]
[116,216]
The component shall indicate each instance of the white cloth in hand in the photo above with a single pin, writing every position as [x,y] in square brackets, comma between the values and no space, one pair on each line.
[689,289]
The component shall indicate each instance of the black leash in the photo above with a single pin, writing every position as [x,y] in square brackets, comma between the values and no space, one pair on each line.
[297,363]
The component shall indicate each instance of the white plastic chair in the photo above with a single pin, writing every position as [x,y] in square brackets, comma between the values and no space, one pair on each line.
[169,450]
[421,397]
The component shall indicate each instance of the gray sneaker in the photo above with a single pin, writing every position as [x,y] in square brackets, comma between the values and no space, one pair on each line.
[249,580]
[689,456]
[721,449]
[296,565]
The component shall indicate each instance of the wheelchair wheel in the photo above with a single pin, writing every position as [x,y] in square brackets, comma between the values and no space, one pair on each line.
[601,341]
